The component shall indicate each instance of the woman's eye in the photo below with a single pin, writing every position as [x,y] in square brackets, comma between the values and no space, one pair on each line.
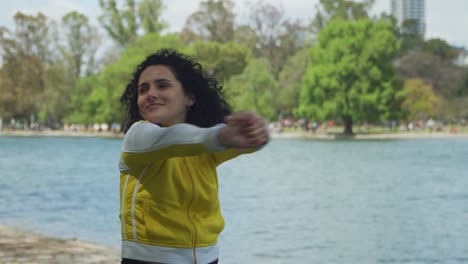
[142,90]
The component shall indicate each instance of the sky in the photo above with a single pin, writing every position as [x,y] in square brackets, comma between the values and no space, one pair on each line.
[444,19]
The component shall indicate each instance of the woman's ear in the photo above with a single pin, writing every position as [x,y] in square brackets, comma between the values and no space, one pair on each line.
[190,100]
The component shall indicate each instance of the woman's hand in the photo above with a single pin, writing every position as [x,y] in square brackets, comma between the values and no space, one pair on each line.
[243,130]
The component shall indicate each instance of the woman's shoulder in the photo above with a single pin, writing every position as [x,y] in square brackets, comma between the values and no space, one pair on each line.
[141,126]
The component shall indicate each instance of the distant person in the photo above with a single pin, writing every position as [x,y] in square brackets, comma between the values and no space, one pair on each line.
[179,129]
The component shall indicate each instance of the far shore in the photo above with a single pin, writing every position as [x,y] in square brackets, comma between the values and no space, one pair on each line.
[60,133]
[396,135]
[288,135]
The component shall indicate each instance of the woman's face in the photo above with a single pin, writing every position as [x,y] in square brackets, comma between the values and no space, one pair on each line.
[161,98]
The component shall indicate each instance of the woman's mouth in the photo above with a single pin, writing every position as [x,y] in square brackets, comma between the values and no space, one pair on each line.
[153,106]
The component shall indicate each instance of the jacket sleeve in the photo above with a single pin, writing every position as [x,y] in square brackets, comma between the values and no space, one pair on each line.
[225,155]
[146,142]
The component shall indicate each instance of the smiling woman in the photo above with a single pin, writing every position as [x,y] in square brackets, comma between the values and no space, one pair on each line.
[174,140]
[170,80]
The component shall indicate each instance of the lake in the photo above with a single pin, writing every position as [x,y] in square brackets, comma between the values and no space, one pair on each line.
[295,201]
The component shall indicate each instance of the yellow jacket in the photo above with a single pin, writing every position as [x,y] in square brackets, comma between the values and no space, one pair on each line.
[169,206]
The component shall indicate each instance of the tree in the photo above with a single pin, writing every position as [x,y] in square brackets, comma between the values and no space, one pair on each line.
[327,10]
[245,35]
[123,25]
[150,12]
[81,42]
[83,104]
[57,90]
[455,110]
[276,38]
[350,75]
[420,101]
[442,74]
[439,47]
[214,21]
[253,89]
[25,59]
[290,80]
[461,89]
[411,40]
[221,60]
[31,34]
[102,104]
[76,43]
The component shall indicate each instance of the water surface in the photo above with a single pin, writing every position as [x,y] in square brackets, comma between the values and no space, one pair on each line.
[295,201]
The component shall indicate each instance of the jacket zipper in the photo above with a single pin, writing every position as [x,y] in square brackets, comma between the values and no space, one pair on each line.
[188,213]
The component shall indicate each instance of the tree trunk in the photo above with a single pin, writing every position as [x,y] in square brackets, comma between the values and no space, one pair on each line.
[348,125]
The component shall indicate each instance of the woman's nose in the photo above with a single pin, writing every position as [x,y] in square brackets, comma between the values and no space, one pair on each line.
[152,92]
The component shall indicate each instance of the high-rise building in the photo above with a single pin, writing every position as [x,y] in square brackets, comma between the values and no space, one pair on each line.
[410,15]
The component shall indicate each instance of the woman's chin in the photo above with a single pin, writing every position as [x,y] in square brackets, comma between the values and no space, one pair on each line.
[156,121]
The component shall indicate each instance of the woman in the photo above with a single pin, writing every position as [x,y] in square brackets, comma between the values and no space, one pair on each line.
[174,140]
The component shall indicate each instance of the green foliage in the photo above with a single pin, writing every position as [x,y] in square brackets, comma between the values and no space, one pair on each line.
[455,109]
[80,46]
[83,109]
[408,34]
[24,57]
[245,34]
[123,25]
[221,60]
[271,35]
[290,81]
[31,34]
[52,108]
[455,105]
[119,24]
[442,74]
[102,104]
[214,21]
[253,89]
[461,89]
[441,48]
[328,10]
[20,91]
[420,101]
[350,74]
[149,12]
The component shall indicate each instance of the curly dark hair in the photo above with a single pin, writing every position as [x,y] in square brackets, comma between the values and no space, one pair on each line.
[210,106]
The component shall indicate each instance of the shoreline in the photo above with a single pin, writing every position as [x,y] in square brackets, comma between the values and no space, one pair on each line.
[376,136]
[23,246]
[274,135]
[59,133]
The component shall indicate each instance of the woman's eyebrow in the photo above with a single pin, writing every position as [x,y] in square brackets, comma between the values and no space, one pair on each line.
[161,80]
[142,83]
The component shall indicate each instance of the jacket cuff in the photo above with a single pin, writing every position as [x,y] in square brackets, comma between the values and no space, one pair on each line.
[212,140]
